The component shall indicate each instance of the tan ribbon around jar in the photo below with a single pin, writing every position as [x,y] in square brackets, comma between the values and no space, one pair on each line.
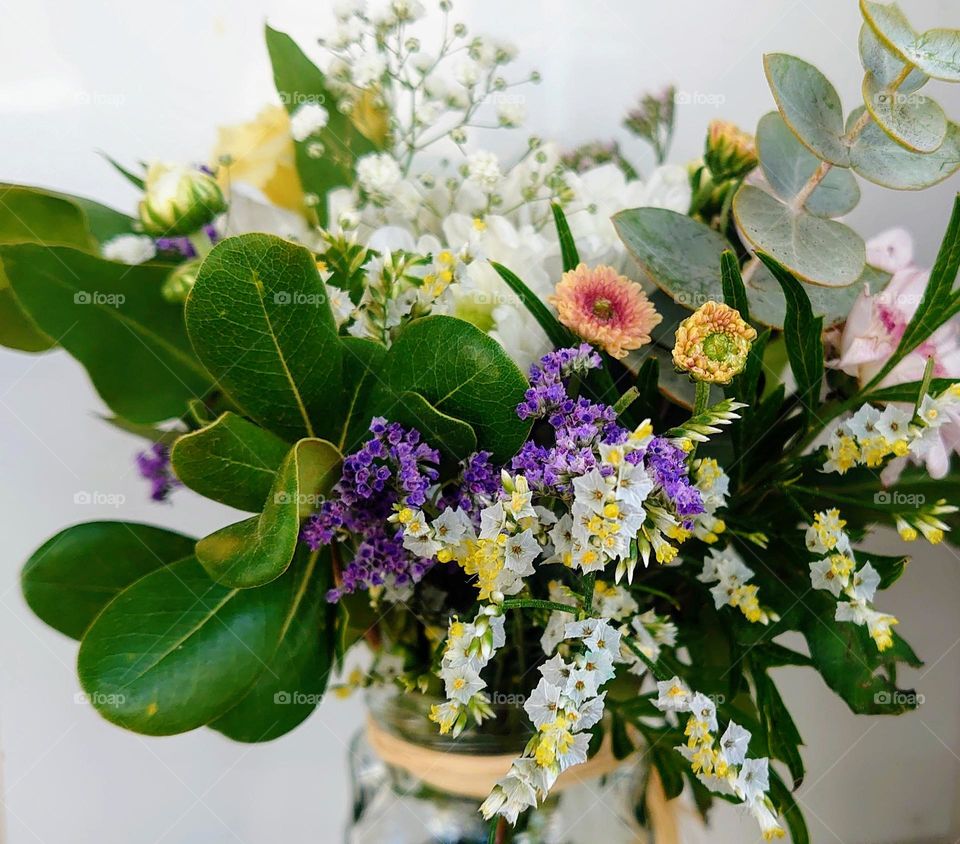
[469,775]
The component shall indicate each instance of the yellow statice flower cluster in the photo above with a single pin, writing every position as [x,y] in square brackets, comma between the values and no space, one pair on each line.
[730,576]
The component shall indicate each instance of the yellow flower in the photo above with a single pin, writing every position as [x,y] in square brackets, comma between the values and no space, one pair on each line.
[712,344]
[261,154]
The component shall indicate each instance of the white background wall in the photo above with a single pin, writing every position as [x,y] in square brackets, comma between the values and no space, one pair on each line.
[148,81]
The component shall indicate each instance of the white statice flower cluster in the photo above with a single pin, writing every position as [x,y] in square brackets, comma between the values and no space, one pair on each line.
[836,573]
[309,119]
[651,633]
[723,767]
[470,646]
[730,575]
[130,249]
[566,703]
[714,486]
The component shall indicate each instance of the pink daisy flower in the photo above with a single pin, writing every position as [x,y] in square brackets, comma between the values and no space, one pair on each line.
[605,308]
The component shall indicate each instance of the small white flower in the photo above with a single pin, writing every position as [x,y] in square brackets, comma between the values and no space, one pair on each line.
[520,552]
[753,779]
[492,520]
[865,583]
[451,525]
[556,671]
[344,9]
[591,491]
[130,249]
[634,484]
[467,72]
[734,743]
[673,695]
[704,710]
[543,704]
[511,114]
[577,752]
[483,169]
[461,683]
[368,69]
[378,174]
[590,713]
[863,424]
[822,577]
[307,120]
[894,423]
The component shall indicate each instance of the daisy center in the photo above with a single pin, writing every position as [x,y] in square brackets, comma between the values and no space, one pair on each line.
[718,346]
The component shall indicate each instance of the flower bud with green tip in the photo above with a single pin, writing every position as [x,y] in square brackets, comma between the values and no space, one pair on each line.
[179,200]
[712,344]
[179,283]
[730,152]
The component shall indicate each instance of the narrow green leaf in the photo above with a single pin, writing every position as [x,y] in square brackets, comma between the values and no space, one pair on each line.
[568,247]
[259,549]
[133,178]
[230,460]
[803,334]
[558,334]
[734,293]
[75,574]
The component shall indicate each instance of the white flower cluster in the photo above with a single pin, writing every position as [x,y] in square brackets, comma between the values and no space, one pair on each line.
[724,769]
[714,486]
[130,249]
[309,119]
[565,704]
[835,573]
[468,650]
[730,576]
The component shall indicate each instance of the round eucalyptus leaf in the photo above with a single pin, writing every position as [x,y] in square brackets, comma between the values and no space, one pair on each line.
[886,65]
[937,53]
[890,25]
[819,251]
[884,162]
[788,166]
[913,120]
[809,104]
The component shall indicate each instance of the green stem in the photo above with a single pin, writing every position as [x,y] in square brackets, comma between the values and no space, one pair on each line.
[537,604]
[588,582]
[657,672]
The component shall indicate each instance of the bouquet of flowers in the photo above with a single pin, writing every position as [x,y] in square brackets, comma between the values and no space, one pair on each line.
[548,428]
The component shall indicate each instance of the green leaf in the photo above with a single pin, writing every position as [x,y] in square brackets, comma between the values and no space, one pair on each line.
[28,215]
[647,384]
[299,81]
[294,680]
[889,568]
[454,438]
[803,333]
[363,362]
[885,65]
[111,318]
[259,549]
[789,809]
[230,460]
[463,374]
[936,52]
[558,334]
[75,574]
[810,106]
[883,161]
[260,321]
[914,121]
[734,293]
[783,738]
[909,392]
[175,651]
[788,166]
[568,247]
[133,178]
[823,252]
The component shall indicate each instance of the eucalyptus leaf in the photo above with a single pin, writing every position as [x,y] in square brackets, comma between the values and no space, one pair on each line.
[295,678]
[809,104]
[259,549]
[823,252]
[71,577]
[879,159]
[325,160]
[112,318]
[260,320]
[231,460]
[935,52]
[914,121]
[175,650]
[463,374]
[788,166]
[886,65]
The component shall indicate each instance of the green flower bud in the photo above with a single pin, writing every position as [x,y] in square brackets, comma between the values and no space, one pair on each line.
[177,286]
[730,153]
[178,200]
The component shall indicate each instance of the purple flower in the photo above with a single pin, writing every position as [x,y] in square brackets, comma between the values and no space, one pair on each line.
[154,466]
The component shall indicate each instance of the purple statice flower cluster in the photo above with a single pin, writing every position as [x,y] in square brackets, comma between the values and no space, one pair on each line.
[393,465]
[579,425]
[667,463]
[182,245]
[154,466]
[478,487]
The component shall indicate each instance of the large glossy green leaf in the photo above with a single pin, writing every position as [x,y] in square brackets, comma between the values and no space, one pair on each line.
[802,332]
[29,215]
[823,252]
[886,65]
[260,321]
[259,549]
[462,373]
[112,319]
[231,460]
[935,52]
[451,436]
[295,678]
[788,166]
[300,81]
[881,160]
[175,650]
[914,121]
[75,574]
[363,362]
[809,104]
